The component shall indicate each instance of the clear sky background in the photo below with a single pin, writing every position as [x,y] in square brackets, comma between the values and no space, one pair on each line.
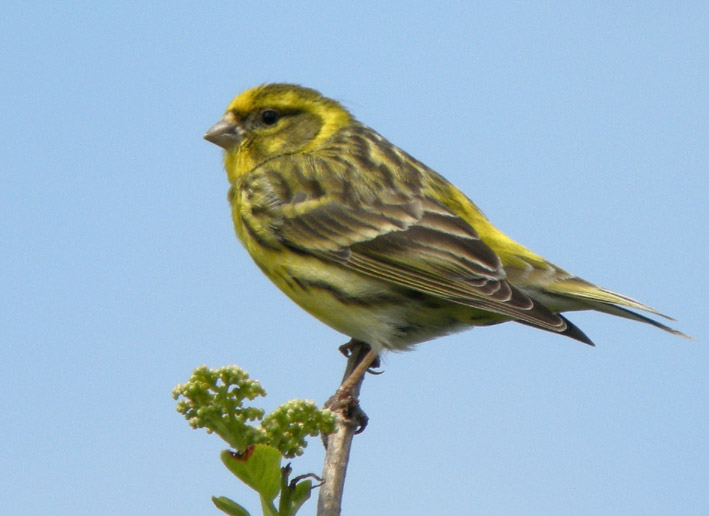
[582,130]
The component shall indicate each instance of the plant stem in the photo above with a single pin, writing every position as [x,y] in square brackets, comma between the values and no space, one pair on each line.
[339,442]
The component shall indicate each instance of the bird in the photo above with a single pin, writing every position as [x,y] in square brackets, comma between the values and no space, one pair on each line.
[374,243]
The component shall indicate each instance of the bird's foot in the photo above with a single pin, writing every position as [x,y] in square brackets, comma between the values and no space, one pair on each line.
[347,406]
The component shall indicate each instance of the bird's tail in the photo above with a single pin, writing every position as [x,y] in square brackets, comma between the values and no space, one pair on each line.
[588,296]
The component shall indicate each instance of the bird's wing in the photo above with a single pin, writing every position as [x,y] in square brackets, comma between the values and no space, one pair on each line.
[415,242]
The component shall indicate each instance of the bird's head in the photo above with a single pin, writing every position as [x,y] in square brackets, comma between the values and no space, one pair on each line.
[275,119]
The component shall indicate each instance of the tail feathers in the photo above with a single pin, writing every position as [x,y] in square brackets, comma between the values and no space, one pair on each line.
[629,314]
[576,333]
[593,297]
[615,298]
[591,294]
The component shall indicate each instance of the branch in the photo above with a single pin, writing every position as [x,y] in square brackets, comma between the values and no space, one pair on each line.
[350,420]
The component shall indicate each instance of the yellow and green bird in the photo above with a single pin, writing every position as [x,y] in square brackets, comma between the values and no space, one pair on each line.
[374,243]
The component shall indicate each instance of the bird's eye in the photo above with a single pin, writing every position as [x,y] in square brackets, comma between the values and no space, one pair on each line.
[270,116]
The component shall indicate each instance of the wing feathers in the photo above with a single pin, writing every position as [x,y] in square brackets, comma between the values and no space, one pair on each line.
[407,239]
[390,230]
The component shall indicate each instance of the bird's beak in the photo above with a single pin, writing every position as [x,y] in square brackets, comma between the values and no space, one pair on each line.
[224,133]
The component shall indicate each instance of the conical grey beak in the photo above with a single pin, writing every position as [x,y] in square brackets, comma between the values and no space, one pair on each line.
[223,133]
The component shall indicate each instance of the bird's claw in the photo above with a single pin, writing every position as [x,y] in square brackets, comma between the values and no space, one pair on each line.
[348,407]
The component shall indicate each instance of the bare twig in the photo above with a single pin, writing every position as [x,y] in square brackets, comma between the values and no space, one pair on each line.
[350,420]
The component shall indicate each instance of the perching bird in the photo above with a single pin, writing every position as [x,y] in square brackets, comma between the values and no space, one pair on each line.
[374,243]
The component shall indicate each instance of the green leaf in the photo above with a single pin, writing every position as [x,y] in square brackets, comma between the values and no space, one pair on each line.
[301,493]
[259,467]
[229,506]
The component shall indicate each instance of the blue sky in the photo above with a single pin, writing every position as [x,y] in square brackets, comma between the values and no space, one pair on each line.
[581,129]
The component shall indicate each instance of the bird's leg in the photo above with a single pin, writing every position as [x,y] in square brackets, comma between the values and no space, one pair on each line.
[361,357]
[352,346]
[351,382]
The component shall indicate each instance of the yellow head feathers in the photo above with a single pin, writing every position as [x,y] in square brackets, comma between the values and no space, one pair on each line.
[291,98]
[274,120]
